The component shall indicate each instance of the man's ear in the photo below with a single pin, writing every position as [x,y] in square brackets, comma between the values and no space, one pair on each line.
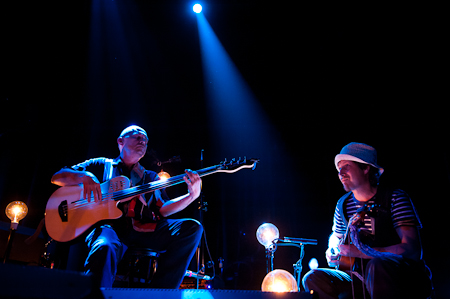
[367,169]
[120,142]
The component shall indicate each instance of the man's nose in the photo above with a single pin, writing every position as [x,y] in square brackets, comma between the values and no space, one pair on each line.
[142,140]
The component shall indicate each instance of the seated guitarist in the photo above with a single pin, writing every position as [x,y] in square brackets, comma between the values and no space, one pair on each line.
[106,243]
[383,241]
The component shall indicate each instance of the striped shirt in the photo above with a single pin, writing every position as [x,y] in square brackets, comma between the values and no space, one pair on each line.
[402,211]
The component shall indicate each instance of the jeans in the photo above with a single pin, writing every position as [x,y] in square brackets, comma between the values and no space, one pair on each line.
[178,238]
[384,278]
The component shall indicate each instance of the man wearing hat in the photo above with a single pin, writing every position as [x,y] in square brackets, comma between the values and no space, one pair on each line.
[375,244]
[146,225]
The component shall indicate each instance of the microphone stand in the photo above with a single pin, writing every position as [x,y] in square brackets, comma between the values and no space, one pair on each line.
[300,243]
[200,254]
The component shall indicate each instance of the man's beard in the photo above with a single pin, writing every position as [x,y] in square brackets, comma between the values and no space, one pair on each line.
[346,187]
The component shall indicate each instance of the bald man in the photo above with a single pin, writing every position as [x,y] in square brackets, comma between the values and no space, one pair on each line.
[148,227]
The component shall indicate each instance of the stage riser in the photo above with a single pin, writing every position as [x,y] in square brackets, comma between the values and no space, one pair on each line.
[198,294]
[26,282]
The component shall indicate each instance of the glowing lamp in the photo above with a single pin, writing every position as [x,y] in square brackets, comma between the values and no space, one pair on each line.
[197,8]
[16,211]
[313,264]
[266,234]
[163,176]
[279,281]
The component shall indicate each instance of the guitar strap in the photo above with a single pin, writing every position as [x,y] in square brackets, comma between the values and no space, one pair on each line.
[341,207]
[108,171]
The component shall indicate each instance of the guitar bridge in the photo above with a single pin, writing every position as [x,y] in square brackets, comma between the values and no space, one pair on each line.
[62,210]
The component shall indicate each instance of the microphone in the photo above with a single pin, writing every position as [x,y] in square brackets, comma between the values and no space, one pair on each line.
[196,275]
[298,240]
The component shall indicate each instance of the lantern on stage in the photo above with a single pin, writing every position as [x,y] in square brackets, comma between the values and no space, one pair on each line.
[15,211]
[279,281]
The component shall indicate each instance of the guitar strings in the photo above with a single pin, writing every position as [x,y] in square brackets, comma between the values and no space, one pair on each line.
[136,190]
[123,194]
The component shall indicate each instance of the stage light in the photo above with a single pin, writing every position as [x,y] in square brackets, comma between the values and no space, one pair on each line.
[313,264]
[15,211]
[266,234]
[163,176]
[197,8]
[279,281]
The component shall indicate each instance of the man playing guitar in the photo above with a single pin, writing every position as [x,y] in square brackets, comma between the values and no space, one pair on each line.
[146,226]
[383,258]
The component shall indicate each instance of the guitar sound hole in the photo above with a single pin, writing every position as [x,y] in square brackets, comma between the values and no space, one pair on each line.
[62,210]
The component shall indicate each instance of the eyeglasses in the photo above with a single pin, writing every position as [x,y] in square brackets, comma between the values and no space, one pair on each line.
[138,136]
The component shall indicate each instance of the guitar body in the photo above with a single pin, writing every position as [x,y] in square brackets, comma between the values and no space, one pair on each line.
[346,263]
[68,214]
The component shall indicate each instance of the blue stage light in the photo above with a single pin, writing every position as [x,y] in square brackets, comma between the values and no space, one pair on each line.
[197,8]
[313,264]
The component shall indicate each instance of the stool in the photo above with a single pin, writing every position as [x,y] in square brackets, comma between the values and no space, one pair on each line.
[142,264]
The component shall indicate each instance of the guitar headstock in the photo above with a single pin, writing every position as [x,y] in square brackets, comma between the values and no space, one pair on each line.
[236,165]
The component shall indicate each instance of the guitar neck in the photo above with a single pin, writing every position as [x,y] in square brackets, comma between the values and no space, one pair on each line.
[157,185]
[172,181]
[344,239]
[230,167]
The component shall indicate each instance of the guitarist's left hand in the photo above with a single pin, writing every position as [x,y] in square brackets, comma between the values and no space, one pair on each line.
[194,183]
[332,256]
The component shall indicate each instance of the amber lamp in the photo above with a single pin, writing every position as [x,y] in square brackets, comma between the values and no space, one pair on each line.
[163,176]
[279,281]
[15,211]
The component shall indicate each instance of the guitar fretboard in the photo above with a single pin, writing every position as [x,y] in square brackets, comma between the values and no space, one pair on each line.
[150,187]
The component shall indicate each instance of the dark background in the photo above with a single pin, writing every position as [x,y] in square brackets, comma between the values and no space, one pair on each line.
[323,76]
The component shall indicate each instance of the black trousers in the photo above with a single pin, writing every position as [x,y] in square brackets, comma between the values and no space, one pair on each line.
[385,278]
[178,238]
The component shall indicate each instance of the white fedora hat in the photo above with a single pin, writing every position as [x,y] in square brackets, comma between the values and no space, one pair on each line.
[359,152]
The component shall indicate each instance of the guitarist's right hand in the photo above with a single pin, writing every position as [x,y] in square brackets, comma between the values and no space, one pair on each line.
[91,185]
[70,177]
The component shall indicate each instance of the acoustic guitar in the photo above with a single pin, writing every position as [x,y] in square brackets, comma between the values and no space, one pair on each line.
[68,214]
[345,262]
